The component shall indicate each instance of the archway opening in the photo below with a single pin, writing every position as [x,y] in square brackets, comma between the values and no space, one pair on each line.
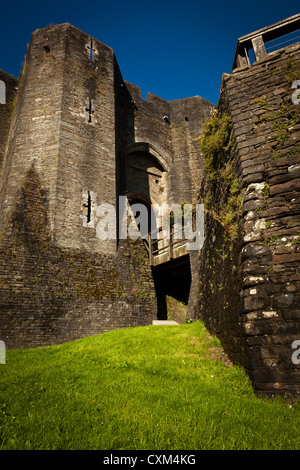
[144,174]
[172,282]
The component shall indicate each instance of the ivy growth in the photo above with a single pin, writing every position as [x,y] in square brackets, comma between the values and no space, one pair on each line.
[215,146]
[281,121]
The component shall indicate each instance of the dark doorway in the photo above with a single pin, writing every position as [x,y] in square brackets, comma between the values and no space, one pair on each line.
[172,279]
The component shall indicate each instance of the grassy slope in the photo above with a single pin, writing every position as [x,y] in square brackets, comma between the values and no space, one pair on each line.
[138,388]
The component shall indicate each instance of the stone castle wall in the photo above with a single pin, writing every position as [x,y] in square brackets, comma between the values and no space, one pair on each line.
[58,281]
[249,289]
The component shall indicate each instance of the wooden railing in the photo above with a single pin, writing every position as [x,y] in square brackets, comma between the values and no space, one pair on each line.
[161,250]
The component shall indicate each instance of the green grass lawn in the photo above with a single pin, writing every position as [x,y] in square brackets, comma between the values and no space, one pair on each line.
[148,388]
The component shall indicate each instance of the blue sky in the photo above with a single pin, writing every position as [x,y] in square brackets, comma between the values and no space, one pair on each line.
[173,49]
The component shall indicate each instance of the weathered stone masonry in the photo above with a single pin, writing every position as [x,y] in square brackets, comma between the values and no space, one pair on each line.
[74,134]
[79,137]
[252,300]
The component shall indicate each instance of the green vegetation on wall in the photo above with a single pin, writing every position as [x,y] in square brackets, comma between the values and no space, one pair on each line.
[215,143]
[215,146]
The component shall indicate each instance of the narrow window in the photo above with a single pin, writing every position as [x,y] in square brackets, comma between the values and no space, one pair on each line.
[89,208]
[90,47]
[90,110]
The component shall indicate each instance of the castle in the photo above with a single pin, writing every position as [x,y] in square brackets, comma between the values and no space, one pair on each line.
[74,135]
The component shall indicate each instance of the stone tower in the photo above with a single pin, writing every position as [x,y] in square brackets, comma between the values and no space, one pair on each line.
[75,137]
